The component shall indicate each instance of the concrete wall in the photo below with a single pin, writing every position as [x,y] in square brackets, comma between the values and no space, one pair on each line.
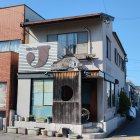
[99,30]
[52,126]
[23,102]
[109,65]
[112,124]
[110,68]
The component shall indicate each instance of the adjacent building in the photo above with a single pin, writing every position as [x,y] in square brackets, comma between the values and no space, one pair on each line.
[11,36]
[71,69]
[131,92]
[137,90]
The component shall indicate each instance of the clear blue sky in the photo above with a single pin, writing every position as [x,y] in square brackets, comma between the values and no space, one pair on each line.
[126,23]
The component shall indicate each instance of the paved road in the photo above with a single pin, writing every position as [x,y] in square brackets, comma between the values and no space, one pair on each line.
[8,136]
[129,131]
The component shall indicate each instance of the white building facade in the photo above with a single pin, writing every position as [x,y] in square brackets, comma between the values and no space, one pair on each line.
[95,58]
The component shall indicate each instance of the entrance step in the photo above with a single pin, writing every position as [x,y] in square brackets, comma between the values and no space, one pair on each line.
[86,125]
[94,135]
[91,124]
[91,130]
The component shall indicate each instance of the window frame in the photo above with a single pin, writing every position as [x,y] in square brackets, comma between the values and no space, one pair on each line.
[119,61]
[78,33]
[9,46]
[4,105]
[42,93]
[113,99]
[110,102]
[31,96]
[108,94]
[76,42]
[108,48]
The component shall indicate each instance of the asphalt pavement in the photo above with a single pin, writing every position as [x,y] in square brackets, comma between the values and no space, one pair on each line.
[130,130]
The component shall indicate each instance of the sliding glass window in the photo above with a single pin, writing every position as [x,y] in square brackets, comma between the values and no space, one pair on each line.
[42,98]
[110,94]
[71,43]
[12,45]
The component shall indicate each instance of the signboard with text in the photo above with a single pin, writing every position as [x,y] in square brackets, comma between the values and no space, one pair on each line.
[37,57]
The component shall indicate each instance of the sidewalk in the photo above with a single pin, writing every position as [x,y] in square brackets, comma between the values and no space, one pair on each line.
[8,136]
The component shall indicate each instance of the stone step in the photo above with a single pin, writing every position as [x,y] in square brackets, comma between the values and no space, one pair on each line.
[89,124]
[91,130]
[94,135]
[99,124]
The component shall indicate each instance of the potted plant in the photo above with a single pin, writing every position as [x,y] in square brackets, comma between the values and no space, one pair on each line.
[43,132]
[16,118]
[20,118]
[31,118]
[49,119]
[26,119]
[40,120]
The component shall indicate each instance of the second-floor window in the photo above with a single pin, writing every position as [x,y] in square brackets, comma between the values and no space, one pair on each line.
[119,60]
[108,48]
[12,45]
[71,42]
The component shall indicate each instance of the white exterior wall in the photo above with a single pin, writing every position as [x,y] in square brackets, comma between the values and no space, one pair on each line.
[39,34]
[111,68]
[99,30]
[23,100]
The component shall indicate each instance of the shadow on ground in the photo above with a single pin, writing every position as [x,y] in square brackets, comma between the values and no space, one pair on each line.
[128,129]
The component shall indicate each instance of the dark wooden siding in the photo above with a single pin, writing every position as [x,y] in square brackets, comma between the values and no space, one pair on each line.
[67,112]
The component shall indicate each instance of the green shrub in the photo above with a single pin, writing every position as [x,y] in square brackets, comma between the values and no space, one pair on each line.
[124,103]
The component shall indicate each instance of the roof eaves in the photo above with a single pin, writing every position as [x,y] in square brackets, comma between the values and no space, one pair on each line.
[119,42]
[58,20]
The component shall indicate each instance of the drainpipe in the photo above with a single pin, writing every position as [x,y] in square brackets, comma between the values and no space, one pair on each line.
[89,32]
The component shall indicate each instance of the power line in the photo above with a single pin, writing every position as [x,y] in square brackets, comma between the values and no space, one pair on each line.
[104,6]
[127,18]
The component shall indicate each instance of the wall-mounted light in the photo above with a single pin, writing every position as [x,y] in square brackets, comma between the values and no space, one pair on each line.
[116,81]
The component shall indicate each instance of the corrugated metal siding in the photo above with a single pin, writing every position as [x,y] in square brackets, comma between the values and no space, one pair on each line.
[23,64]
[67,112]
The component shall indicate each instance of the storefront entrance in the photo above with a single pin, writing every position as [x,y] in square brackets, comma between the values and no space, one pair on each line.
[89,99]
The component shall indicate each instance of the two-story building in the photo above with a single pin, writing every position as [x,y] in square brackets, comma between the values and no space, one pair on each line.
[11,36]
[72,69]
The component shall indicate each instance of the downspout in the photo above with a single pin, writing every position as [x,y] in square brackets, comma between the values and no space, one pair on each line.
[103,100]
[90,43]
